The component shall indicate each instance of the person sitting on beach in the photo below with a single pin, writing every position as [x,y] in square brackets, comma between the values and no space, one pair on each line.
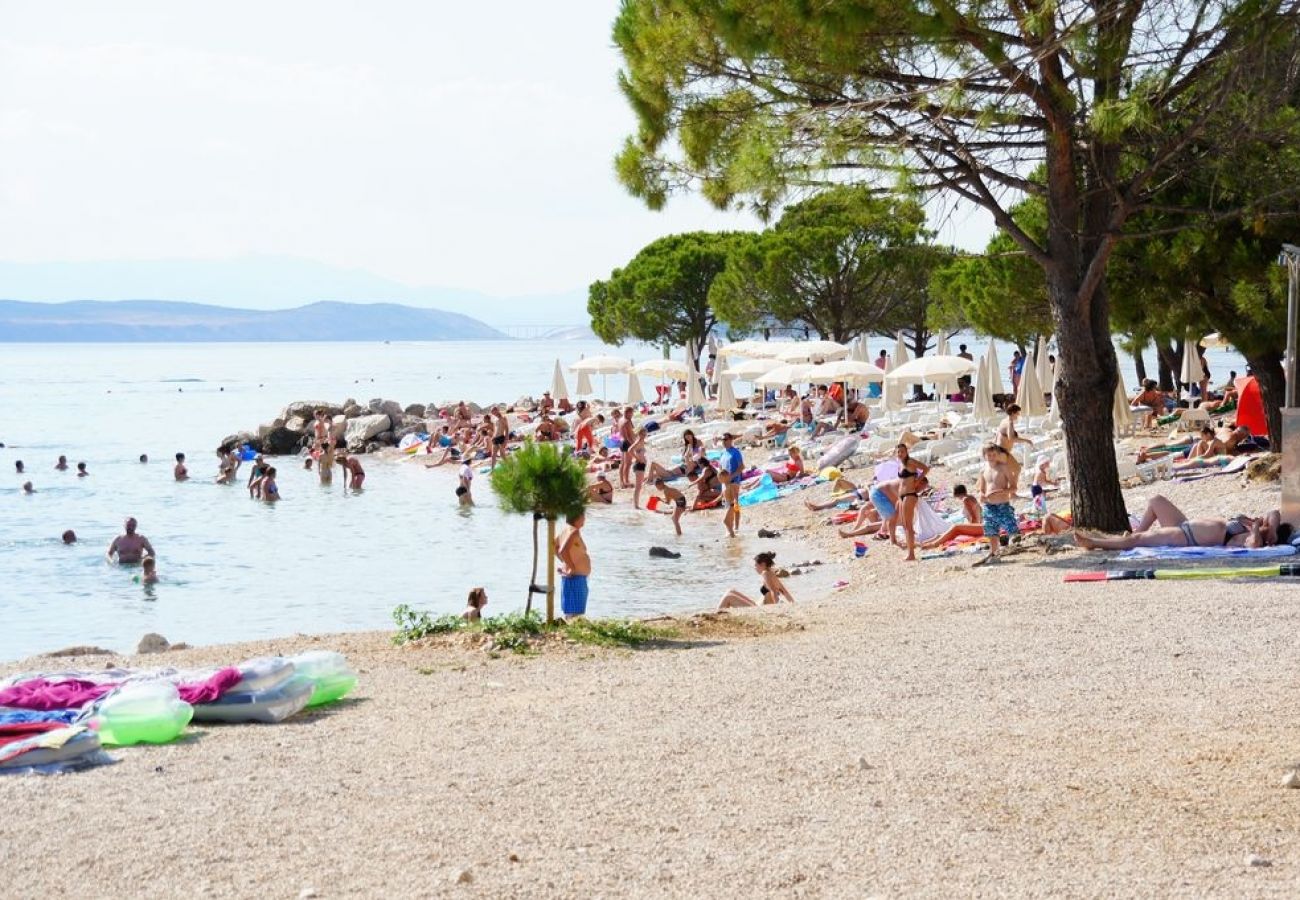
[451,454]
[693,451]
[268,490]
[707,484]
[545,429]
[972,527]
[148,571]
[1208,445]
[792,469]
[351,470]
[1165,525]
[474,605]
[872,519]
[1153,399]
[179,471]
[129,547]
[601,491]
[675,497]
[62,464]
[546,404]
[69,536]
[857,414]
[996,488]
[461,416]
[1240,440]
[81,470]
[772,590]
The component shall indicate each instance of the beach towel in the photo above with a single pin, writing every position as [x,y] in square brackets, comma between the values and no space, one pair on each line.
[928,524]
[1207,552]
[74,693]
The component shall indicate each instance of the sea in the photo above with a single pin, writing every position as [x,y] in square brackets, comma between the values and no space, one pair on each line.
[325,559]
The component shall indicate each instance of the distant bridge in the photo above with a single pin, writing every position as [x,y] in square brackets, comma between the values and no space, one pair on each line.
[531,332]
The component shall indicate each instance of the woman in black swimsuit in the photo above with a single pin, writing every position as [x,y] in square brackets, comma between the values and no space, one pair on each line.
[911,481]
[708,484]
[772,590]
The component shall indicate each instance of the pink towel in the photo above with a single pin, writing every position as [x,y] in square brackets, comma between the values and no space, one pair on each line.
[72,693]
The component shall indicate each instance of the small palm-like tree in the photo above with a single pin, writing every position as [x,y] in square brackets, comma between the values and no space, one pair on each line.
[548,482]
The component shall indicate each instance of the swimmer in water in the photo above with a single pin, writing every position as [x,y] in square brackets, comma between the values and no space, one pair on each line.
[149,571]
[81,470]
[129,547]
[27,488]
[270,491]
[180,473]
[18,466]
[62,464]
[69,536]
[144,457]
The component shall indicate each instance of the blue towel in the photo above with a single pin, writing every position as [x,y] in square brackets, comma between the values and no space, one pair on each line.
[1208,552]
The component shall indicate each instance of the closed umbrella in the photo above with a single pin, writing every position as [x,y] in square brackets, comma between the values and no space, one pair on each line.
[694,393]
[1053,420]
[726,396]
[942,349]
[984,411]
[1030,395]
[634,395]
[1044,372]
[900,351]
[1122,409]
[860,351]
[995,370]
[808,351]
[1191,372]
[559,390]
[584,385]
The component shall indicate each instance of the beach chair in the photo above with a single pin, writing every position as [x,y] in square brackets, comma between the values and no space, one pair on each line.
[1193,419]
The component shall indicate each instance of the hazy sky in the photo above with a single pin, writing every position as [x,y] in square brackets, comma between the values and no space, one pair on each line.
[467,145]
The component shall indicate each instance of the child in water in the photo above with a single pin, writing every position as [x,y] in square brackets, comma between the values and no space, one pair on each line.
[474,605]
[148,571]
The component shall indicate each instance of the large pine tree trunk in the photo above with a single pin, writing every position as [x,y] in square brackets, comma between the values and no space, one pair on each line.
[1272,388]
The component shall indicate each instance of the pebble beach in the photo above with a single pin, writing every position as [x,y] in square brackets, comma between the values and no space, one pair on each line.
[928,730]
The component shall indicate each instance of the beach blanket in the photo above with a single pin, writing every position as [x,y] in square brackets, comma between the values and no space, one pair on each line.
[1207,552]
[74,693]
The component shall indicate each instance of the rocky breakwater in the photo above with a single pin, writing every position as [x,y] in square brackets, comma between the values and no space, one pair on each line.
[362,429]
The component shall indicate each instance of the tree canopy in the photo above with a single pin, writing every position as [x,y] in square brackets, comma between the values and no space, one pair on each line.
[836,262]
[662,295]
[745,100]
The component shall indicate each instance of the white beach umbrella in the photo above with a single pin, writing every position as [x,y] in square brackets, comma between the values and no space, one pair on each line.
[1215,341]
[1192,372]
[1040,363]
[900,351]
[726,395]
[559,390]
[995,370]
[847,371]
[751,349]
[751,368]
[602,366]
[634,395]
[795,373]
[942,349]
[1053,420]
[1029,396]
[694,392]
[1121,409]
[808,351]
[984,411]
[931,370]
[663,369]
[860,351]
[584,385]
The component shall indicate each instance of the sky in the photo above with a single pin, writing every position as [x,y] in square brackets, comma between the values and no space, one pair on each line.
[460,145]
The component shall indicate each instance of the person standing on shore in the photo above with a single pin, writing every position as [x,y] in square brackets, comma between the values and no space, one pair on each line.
[1007,439]
[129,547]
[575,566]
[501,426]
[996,489]
[733,463]
[625,435]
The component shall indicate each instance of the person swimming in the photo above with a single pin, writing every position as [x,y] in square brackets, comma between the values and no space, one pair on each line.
[69,536]
[129,547]
[148,571]
[81,470]
[180,472]
[474,605]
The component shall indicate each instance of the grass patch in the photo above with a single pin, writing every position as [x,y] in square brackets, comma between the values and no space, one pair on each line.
[614,632]
[515,632]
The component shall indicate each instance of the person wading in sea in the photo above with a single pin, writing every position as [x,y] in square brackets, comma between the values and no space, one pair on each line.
[129,547]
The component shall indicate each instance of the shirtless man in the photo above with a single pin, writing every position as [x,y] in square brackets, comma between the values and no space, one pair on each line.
[130,547]
[996,489]
[575,566]
[179,472]
[325,465]
[351,470]
[625,436]
[62,464]
[501,432]
[858,414]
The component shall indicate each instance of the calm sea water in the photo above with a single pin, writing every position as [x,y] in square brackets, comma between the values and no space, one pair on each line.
[323,560]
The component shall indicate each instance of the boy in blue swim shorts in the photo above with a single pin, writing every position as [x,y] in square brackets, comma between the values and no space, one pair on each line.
[575,567]
[996,489]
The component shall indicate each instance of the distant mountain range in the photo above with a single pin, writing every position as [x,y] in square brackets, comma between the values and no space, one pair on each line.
[275,282]
[164,320]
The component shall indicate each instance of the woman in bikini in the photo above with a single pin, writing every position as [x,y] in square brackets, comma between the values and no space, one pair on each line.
[911,481]
[1165,525]
[1007,438]
[791,470]
[636,452]
[771,591]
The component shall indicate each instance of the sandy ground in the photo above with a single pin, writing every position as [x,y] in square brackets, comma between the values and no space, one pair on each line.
[929,731]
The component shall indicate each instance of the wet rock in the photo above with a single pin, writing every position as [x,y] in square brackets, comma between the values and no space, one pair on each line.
[387,438]
[1291,779]
[464,876]
[1258,862]
[663,553]
[280,441]
[352,411]
[768,533]
[153,643]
